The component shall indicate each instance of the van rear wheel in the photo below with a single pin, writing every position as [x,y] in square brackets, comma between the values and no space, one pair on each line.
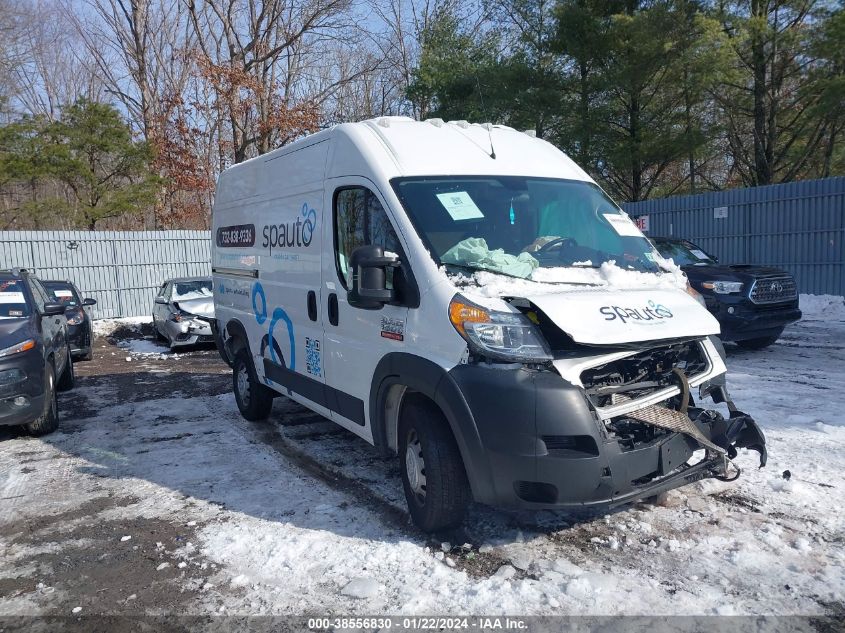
[254,399]
[433,475]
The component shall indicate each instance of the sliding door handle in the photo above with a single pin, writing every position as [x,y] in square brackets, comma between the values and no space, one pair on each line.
[334,315]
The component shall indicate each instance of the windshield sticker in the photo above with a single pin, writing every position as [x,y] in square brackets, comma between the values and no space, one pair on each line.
[12,297]
[63,293]
[622,225]
[699,254]
[459,205]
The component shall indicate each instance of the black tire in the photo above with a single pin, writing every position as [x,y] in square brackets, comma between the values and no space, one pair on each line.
[68,378]
[254,399]
[441,498]
[48,421]
[759,343]
[89,354]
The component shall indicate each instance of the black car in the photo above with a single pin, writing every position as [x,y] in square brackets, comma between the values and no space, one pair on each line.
[752,303]
[80,329]
[35,359]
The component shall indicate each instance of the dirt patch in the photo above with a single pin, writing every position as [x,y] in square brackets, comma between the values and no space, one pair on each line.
[95,567]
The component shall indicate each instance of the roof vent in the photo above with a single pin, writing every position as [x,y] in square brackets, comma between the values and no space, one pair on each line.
[383,122]
[435,122]
[461,124]
[531,133]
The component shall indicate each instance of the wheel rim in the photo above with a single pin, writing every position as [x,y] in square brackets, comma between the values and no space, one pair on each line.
[243,384]
[415,466]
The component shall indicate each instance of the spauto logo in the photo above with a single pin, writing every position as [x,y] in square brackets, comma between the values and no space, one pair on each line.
[652,312]
[299,232]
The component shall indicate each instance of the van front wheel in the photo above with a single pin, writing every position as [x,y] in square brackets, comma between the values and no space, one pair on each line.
[433,474]
[254,399]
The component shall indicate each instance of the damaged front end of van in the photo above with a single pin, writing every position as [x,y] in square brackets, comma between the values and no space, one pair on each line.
[591,412]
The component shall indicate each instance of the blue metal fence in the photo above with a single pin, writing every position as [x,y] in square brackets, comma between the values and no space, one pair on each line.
[798,226]
[120,269]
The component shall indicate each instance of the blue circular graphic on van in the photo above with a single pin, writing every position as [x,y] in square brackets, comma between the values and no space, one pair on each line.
[281,315]
[260,316]
[278,315]
[309,222]
[660,310]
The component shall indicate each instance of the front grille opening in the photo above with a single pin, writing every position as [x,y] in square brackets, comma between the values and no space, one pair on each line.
[535,491]
[643,373]
[777,290]
[633,434]
[570,445]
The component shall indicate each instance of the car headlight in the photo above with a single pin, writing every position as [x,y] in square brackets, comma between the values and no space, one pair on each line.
[75,317]
[499,335]
[723,287]
[23,346]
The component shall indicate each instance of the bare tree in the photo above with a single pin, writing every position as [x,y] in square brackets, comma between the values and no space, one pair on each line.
[139,49]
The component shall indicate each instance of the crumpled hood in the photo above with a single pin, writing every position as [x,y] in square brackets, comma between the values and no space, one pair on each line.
[202,306]
[13,331]
[610,318]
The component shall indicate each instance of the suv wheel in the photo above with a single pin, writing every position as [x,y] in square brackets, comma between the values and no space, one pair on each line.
[48,421]
[254,399]
[433,475]
[68,378]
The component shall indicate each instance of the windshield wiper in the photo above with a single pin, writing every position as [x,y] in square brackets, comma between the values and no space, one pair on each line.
[485,270]
[534,281]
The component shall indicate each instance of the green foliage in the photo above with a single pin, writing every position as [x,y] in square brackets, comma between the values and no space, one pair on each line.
[84,168]
[653,97]
[454,69]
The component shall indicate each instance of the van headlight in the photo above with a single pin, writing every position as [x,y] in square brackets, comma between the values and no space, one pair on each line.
[499,335]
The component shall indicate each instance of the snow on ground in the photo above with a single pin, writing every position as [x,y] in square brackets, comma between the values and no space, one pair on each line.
[830,307]
[298,516]
[106,327]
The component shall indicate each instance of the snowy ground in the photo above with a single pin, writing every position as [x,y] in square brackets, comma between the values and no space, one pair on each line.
[156,497]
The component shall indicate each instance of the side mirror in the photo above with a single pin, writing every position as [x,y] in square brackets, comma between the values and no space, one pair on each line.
[161,300]
[89,302]
[369,267]
[53,309]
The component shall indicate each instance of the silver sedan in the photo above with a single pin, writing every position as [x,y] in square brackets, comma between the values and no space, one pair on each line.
[180,311]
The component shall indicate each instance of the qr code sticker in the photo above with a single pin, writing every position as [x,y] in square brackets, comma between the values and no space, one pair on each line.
[313,359]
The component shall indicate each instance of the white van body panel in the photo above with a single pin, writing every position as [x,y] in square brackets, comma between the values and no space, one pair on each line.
[299,181]
[609,318]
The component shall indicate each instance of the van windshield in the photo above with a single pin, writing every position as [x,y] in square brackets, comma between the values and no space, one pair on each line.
[514,225]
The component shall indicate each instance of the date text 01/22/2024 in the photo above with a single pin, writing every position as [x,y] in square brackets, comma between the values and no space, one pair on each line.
[419,623]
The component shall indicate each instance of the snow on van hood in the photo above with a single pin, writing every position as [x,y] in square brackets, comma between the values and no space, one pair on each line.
[608,305]
[201,305]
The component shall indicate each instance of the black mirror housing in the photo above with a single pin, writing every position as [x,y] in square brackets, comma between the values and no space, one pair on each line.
[161,300]
[89,302]
[53,309]
[369,267]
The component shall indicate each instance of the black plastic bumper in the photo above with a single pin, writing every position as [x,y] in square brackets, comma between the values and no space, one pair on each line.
[30,366]
[741,319]
[531,440]
[79,337]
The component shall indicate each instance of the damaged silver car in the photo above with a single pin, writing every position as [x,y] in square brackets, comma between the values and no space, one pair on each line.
[182,310]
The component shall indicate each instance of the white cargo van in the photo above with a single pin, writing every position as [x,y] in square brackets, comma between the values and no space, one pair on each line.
[466,297]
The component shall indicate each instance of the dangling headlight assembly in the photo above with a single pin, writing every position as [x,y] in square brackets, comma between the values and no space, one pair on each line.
[506,336]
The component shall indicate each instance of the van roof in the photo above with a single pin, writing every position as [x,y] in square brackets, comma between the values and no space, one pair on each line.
[400,146]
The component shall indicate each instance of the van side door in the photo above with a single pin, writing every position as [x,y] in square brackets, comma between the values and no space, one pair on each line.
[357,339]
